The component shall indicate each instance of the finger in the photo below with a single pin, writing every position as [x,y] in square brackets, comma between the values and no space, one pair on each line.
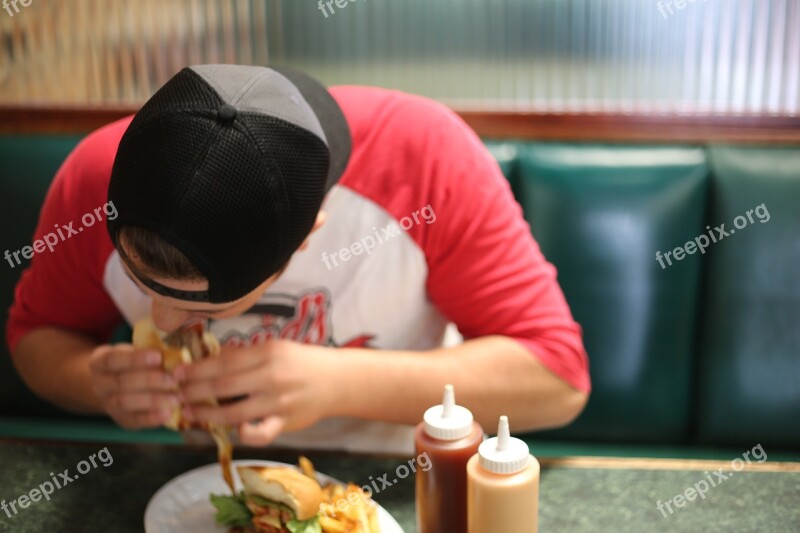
[104,384]
[263,432]
[131,402]
[98,358]
[228,363]
[228,386]
[124,357]
[230,414]
[146,380]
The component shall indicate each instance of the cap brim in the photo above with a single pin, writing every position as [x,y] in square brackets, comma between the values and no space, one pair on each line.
[330,116]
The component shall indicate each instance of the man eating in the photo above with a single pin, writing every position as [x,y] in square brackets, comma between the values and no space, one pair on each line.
[352,248]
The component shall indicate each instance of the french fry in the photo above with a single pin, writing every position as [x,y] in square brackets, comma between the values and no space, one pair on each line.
[345,509]
[330,525]
[307,467]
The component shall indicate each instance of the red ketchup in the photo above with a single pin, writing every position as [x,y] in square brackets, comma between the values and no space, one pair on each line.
[447,437]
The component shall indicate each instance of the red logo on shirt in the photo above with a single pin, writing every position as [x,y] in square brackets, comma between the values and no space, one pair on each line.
[304,318]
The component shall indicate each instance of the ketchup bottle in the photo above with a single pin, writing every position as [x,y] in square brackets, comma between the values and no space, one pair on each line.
[448,436]
[503,485]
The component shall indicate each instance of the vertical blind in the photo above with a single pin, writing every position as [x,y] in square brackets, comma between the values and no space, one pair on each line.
[121,51]
[637,56]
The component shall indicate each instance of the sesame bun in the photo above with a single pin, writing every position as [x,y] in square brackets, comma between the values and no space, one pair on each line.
[283,485]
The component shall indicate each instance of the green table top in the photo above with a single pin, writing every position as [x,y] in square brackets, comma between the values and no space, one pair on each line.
[99,429]
[582,494]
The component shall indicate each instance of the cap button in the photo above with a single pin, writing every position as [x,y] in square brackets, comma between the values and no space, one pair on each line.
[226,113]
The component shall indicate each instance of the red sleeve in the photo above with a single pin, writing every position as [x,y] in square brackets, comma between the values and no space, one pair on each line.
[485,271]
[64,287]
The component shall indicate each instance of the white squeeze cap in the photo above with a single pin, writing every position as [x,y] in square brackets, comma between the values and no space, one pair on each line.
[448,421]
[504,454]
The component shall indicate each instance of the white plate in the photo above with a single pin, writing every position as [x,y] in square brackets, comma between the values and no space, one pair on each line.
[182,505]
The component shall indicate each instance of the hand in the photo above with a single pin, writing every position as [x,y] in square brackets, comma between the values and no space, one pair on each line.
[133,388]
[285,387]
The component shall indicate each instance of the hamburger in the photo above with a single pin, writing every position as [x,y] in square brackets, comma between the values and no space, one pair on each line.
[274,500]
[185,346]
[182,346]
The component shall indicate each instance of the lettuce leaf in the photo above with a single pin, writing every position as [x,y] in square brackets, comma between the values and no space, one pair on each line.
[263,502]
[231,510]
[307,526]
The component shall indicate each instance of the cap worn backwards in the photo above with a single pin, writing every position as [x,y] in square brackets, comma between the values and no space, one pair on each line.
[230,165]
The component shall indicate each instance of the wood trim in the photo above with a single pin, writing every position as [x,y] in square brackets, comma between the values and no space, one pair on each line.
[488,124]
[602,463]
[60,120]
[635,463]
[635,128]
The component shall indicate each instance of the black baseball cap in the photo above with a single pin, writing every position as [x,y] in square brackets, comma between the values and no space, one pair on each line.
[229,164]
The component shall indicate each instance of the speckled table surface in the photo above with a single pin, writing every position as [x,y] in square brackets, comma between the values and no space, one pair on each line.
[576,495]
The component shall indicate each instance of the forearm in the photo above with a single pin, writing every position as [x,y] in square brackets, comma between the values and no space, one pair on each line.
[54,363]
[492,376]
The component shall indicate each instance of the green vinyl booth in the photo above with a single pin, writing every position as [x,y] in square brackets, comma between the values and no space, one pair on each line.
[700,348]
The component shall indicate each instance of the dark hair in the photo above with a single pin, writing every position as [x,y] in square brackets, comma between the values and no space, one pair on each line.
[157,256]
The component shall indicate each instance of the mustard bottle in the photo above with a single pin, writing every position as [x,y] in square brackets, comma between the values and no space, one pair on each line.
[503,486]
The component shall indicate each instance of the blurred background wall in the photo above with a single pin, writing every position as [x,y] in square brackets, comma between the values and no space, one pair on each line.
[616,56]
[624,127]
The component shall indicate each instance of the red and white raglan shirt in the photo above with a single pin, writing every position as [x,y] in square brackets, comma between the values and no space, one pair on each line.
[424,245]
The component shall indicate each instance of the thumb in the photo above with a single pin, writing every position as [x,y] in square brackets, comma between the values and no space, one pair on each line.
[261,432]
